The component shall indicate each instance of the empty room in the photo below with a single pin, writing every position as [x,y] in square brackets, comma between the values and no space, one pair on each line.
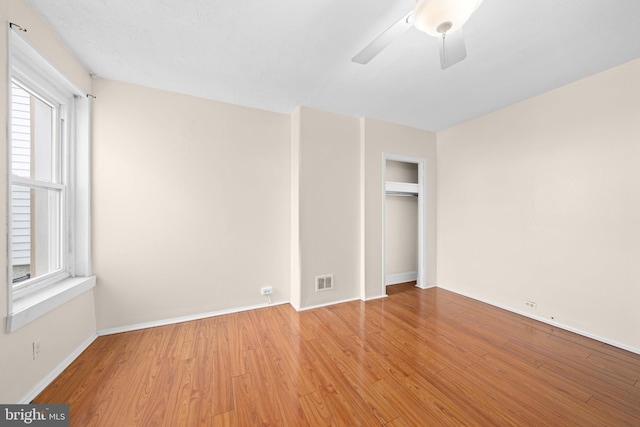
[305,213]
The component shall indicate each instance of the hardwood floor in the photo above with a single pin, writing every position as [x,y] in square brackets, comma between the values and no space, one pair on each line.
[417,358]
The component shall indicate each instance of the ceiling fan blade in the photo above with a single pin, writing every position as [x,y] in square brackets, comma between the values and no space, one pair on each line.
[383,40]
[452,49]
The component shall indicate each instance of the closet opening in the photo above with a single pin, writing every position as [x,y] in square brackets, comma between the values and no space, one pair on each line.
[403,246]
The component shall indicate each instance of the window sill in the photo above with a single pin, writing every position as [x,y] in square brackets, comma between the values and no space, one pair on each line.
[31,307]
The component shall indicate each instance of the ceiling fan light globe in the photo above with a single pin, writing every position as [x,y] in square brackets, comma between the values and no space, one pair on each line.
[435,17]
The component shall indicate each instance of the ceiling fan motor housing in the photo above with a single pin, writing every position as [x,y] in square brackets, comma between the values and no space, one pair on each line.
[437,17]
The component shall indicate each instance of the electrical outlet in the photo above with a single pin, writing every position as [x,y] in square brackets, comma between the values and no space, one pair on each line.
[531,304]
[267,290]
[36,349]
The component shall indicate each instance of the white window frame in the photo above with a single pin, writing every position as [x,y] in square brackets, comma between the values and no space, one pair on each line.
[60,182]
[34,297]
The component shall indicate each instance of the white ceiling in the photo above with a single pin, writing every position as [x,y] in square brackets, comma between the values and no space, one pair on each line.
[278,54]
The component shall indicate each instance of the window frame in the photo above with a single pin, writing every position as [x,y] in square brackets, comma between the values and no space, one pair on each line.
[59,183]
[34,297]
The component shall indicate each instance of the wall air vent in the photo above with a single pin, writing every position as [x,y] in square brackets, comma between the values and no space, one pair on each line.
[324,283]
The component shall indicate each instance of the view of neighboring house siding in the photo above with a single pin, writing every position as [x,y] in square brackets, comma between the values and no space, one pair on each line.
[21,166]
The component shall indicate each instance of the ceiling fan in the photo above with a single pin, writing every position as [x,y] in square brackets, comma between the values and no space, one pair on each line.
[439,18]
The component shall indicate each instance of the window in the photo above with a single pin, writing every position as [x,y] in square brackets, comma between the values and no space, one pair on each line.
[38,189]
[48,187]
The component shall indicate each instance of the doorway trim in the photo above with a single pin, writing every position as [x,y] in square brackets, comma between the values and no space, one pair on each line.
[422,220]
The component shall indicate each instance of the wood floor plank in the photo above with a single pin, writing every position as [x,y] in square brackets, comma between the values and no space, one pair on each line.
[614,352]
[542,379]
[315,410]
[397,422]
[375,348]
[142,379]
[416,353]
[381,408]
[340,388]
[476,397]
[359,374]
[354,315]
[245,401]
[177,412]
[221,358]
[413,411]
[338,407]
[553,402]
[618,369]
[524,354]
[292,412]
[418,357]
[201,411]
[446,350]
[376,313]
[236,345]
[79,379]
[154,411]
[228,419]
[623,416]
[619,395]
[351,362]
[448,407]
[264,387]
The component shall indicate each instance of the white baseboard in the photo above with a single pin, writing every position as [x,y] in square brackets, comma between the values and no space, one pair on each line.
[328,304]
[394,279]
[547,321]
[189,318]
[375,298]
[57,371]
[164,322]
[385,295]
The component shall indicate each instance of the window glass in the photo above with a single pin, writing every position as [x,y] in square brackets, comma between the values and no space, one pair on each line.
[37,222]
[32,136]
[36,231]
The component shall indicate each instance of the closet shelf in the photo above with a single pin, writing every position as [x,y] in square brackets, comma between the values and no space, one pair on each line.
[401,188]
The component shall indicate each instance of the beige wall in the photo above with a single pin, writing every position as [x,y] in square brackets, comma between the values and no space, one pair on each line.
[294,247]
[401,171]
[69,327]
[340,161]
[401,241]
[191,205]
[540,201]
[382,137]
[401,219]
[329,194]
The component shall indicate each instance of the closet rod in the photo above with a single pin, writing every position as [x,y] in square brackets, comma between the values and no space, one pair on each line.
[399,193]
